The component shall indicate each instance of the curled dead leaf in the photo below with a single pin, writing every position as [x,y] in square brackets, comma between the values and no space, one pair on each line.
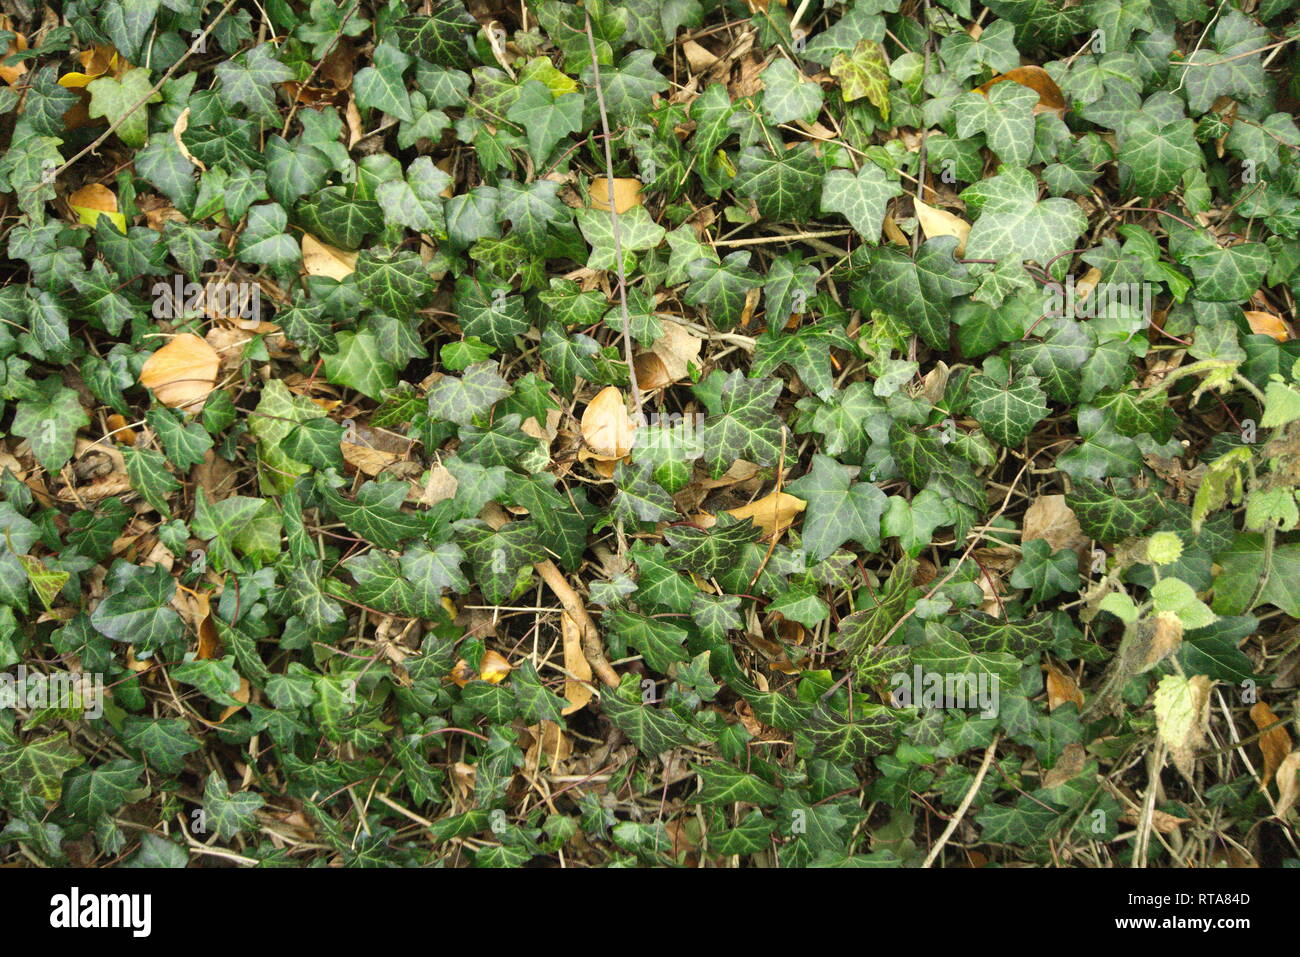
[1274,744]
[1162,821]
[577,689]
[606,427]
[1061,688]
[651,373]
[1288,783]
[677,348]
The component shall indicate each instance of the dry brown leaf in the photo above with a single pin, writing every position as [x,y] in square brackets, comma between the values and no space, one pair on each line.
[1084,287]
[772,512]
[120,429]
[651,373]
[1049,518]
[1275,744]
[697,57]
[209,642]
[550,740]
[182,373]
[242,694]
[893,233]
[440,486]
[367,460]
[1288,783]
[677,348]
[577,690]
[1166,637]
[1072,760]
[1163,822]
[12,73]
[939,222]
[461,673]
[178,129]
[1038,80]
[606,427]
[1267,324]
[627,193]
[1061,688]
[321,259]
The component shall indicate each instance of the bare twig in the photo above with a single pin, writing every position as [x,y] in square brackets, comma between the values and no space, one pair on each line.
[633,386]
[965,802]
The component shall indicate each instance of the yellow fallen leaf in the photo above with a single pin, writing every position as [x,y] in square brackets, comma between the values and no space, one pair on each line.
[493,668]
[321,259]
[939,222]
[182,373]
[627,193]
[772,512]
[95,200]
[1182,713]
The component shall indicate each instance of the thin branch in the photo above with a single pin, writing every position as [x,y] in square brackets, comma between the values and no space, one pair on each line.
[633,386]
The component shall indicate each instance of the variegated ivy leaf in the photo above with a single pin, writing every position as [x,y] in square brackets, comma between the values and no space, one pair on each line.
[460,398]
[637,232]
[1157,155]
[546,117]
[438,36]
[1013,223]
[787,95]
[1007,406]
[861,198]
[744,425]
[722,288]
[249,80]
[498,556]
[863,73]
[784,186]
[1005,115]
[839,509]
[920,291]
[640,498]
